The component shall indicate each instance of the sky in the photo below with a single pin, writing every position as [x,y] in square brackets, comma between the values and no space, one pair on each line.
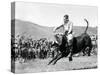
[52,14]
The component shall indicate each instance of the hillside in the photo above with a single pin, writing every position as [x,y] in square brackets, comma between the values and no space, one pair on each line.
[37,31]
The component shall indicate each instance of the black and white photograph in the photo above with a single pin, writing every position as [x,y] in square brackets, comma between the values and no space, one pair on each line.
[49,37]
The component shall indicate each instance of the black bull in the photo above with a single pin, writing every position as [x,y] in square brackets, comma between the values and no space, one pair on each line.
[79,44]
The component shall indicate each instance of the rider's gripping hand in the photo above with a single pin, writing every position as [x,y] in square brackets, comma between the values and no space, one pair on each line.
[54,30]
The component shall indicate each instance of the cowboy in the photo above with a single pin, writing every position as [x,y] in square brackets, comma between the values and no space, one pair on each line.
[68,29]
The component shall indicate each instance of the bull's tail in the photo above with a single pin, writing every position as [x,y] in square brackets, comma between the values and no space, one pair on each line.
[87,24]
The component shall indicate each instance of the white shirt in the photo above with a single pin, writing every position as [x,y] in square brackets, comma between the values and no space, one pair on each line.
[68,26]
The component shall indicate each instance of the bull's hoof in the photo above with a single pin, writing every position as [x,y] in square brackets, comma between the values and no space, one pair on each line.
[70,59]
[54,63]
[89,54]
[48,63]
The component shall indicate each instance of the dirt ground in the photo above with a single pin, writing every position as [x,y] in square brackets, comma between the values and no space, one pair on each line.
[37,65]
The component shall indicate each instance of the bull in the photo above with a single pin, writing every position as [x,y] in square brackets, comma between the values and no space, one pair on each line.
[79,44]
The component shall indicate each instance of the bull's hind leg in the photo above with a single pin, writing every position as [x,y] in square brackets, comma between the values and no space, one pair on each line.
[89,51]
[84,50]
[54,58]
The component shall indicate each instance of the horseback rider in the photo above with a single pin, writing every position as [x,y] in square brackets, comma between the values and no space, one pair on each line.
[68,29]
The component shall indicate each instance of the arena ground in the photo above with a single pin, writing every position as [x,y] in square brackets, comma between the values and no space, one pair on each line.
[40,65]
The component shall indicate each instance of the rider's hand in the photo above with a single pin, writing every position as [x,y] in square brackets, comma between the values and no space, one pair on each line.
[54,30]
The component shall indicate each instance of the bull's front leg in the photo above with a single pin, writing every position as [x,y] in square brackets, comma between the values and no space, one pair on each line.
[58,58]
[54,59]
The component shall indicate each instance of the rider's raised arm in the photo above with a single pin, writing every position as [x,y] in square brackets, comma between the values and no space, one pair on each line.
[56,28]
